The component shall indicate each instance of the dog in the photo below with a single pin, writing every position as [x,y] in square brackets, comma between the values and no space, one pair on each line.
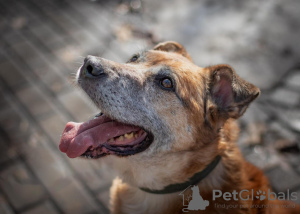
[170,125]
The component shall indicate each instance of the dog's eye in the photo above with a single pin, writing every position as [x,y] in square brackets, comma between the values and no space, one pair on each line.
[166,83]
[134,58]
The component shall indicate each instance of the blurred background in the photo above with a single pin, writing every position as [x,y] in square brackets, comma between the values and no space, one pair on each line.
[42,43]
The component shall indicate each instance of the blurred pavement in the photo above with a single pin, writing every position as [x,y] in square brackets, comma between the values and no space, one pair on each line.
[42,43]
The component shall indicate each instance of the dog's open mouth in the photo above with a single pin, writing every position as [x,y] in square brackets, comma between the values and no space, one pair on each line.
[103,136]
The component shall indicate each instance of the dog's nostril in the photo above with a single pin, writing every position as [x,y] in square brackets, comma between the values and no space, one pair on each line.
[89,68]
[93,70]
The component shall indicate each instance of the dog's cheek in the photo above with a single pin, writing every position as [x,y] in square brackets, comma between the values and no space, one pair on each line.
[175,118]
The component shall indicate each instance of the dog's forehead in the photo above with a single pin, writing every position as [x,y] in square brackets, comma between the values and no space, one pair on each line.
[154,57]
[154,61]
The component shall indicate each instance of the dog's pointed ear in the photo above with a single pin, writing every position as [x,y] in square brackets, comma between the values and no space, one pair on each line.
[172,47]
[230,94]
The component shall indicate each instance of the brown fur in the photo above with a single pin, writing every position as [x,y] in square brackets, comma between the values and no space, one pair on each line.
[200,121]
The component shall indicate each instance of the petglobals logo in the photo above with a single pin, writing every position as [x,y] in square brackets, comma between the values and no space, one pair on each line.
[245,195]
[195,201]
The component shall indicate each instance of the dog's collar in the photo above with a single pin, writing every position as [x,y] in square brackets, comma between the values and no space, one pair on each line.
[195,179]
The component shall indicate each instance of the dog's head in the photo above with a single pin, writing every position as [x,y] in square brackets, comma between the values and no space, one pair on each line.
[159,109]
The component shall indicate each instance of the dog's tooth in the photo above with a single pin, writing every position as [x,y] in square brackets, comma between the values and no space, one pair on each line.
[129,136]
[110,140]
[121,138]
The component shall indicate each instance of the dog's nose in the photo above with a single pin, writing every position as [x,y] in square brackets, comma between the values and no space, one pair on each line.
[92,67]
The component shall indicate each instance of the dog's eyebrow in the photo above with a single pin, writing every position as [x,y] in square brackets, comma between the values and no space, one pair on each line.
[141,53]
[165,71]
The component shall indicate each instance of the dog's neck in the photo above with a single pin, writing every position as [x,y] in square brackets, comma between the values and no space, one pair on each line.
[194,180]
[134,199]
[154,179]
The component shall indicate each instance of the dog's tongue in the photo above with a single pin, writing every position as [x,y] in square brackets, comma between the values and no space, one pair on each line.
[78,137]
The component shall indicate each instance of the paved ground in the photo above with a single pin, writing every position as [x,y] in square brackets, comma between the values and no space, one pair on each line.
[43,42]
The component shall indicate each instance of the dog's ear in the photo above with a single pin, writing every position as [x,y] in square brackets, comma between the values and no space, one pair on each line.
[172,47]
[230,94]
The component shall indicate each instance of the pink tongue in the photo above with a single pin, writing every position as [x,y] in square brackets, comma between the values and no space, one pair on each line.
[78,137]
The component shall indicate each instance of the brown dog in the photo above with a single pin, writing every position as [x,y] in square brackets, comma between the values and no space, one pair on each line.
[174,125]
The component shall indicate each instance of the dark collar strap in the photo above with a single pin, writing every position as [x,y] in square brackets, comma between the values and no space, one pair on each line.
[192,181]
